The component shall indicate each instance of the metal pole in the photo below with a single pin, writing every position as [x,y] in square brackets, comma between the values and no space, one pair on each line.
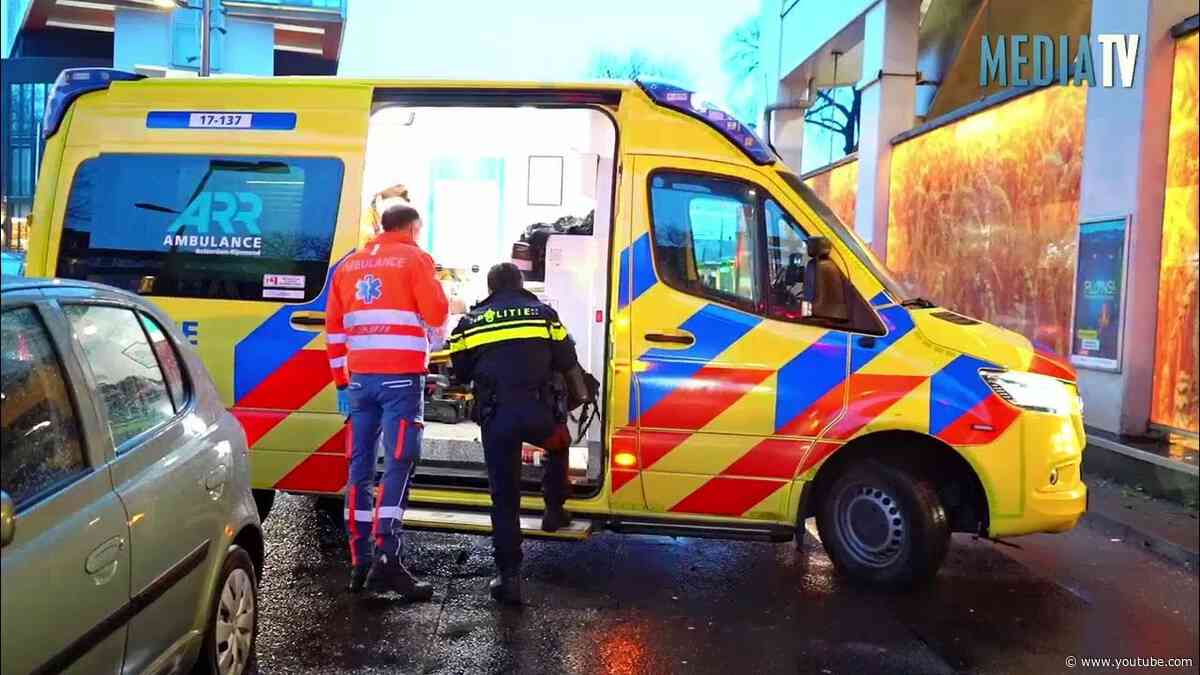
[205,37]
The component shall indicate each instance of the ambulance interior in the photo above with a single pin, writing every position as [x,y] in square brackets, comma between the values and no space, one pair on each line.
[485,179]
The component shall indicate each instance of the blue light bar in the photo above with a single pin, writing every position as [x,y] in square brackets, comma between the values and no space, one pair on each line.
[683,100]
[73,82]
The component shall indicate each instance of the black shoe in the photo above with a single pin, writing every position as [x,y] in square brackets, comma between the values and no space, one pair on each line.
[555,518]
[358,578]
[506,589]
[390,575]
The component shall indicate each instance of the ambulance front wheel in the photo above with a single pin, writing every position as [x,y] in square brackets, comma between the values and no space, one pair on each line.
[264,500]
[883,526]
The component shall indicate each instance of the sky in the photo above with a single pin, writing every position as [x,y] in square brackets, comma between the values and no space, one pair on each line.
[536,39]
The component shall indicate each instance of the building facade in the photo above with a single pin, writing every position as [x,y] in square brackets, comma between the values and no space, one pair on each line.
[1066,212]
[158,38]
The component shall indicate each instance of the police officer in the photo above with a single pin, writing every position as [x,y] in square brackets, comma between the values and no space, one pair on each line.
[511,345]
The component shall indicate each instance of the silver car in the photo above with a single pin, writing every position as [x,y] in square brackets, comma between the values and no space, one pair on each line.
[131,542]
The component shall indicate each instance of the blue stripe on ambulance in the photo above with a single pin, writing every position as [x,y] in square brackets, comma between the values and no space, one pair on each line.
[273,342]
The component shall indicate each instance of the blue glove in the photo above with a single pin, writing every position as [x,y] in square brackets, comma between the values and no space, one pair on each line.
[343,400]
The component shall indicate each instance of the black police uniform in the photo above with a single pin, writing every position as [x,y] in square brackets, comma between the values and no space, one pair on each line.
[510,345]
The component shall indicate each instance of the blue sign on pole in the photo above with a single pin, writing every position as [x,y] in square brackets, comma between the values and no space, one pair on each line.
[1100,293]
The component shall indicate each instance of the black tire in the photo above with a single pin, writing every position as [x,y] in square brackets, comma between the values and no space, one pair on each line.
[883,526]
[264,499]
[333,505]
[238,574]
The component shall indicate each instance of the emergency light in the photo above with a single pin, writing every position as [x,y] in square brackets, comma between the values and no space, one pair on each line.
[71,84]
[684,100]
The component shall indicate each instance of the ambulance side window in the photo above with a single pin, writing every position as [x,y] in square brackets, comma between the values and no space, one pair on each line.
[200,226]
[705,232]
[787,255]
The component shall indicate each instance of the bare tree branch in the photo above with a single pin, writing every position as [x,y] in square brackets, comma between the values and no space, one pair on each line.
[825,125]
[823,94]
[817,110]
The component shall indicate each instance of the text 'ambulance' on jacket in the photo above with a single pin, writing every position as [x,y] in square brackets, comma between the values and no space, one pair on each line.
[381,301]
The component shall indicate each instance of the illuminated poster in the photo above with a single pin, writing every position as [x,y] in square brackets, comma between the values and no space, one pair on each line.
[1099,291]
[1176,401]
[838,188]
[983,213]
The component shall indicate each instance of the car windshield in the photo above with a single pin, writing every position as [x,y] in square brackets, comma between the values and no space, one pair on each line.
[848,236]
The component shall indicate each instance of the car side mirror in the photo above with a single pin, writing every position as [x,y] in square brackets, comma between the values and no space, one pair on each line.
[824,284]
[8,523]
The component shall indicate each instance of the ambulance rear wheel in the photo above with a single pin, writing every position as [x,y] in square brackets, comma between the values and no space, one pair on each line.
[883,526]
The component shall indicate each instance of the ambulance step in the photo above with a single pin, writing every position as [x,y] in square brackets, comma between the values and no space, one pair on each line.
[479,522]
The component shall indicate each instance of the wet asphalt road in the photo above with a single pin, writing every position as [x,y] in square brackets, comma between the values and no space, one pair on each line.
[633,604]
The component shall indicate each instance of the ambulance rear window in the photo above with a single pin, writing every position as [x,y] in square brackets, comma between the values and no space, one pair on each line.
[198,226]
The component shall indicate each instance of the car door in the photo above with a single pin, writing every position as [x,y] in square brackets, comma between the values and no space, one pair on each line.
[729,390]
[65,569]
[169,476]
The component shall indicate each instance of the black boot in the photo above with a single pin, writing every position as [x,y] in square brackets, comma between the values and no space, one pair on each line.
[389,574]
[555,518]
[358,578]
[506,589]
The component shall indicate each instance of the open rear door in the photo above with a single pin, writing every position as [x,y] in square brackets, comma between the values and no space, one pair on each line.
[491,170]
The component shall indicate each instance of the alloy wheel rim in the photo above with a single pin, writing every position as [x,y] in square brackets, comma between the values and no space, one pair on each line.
[872,525]
[235,623]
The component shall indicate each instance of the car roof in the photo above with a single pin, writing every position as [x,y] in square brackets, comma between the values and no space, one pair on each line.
[15,283]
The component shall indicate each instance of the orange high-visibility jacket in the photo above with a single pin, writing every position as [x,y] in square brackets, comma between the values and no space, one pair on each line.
[382,300]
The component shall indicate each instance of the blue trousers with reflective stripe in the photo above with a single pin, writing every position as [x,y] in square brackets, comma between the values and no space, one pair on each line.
[394,406]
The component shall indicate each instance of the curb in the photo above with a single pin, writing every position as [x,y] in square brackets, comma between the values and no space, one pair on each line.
[1158,477]
[1159,546]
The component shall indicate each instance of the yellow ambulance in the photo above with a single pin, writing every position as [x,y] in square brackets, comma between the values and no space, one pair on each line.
[759,365]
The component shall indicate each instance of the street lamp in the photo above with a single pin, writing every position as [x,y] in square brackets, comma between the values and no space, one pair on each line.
[205,30]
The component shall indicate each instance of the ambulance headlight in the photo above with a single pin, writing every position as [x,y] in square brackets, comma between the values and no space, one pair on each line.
[1031,391]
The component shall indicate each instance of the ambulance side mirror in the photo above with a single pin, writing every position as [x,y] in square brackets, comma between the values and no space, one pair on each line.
[824,285]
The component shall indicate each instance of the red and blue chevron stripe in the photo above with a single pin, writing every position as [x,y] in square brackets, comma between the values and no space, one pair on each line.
[273,374]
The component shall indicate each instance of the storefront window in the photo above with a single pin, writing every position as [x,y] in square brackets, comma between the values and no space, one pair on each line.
[983,213]
[1177,340]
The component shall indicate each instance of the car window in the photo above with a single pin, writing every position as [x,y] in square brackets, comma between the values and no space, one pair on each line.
[787,255]
[704,236]
[41,439]
[196,226]
[129,383]
[168,361]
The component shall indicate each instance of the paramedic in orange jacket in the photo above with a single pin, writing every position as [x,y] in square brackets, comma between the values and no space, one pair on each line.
[383,305]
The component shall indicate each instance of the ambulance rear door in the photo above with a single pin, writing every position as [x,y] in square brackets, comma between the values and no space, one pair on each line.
[229,203]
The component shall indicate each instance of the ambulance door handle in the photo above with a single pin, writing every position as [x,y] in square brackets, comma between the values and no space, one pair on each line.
[674,337]
[308,321]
